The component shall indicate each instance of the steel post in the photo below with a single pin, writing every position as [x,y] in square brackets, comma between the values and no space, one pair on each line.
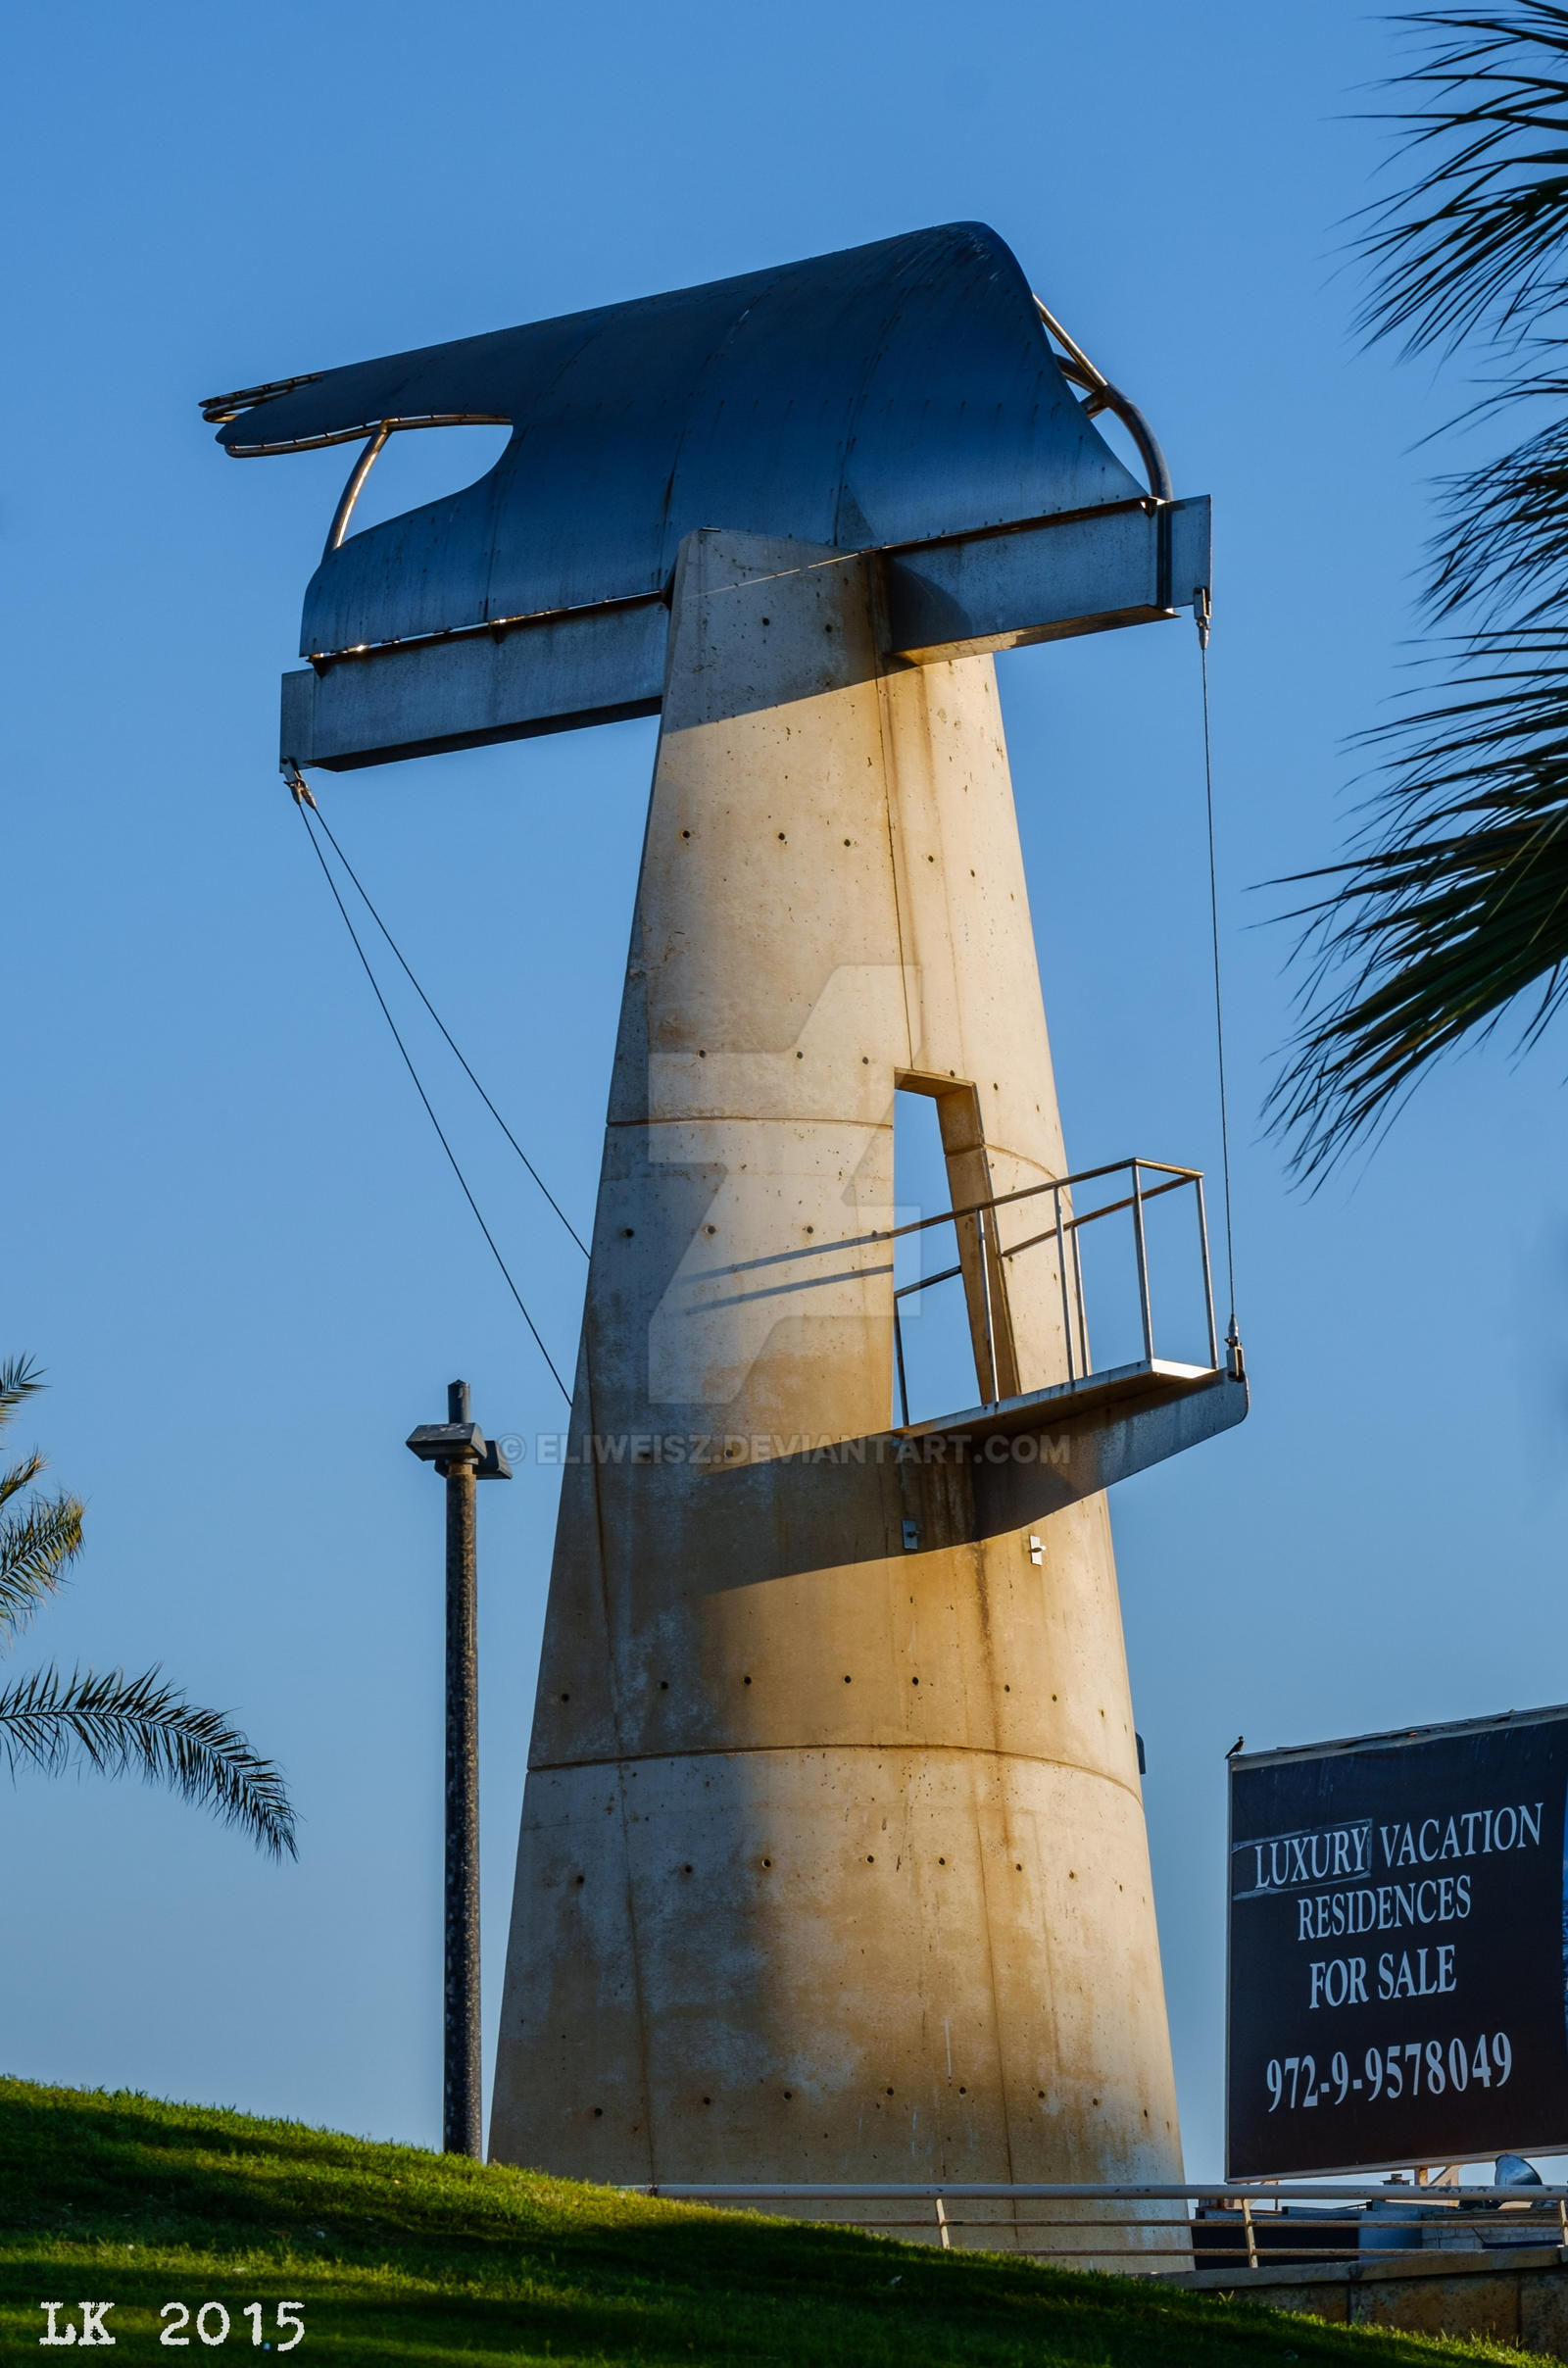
[460,2116]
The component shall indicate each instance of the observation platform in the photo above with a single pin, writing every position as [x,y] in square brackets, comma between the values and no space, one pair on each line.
[1151,1382]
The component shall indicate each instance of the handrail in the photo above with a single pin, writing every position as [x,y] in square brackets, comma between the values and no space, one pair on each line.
[1151,2191]
[1027,1192]
[984,1259]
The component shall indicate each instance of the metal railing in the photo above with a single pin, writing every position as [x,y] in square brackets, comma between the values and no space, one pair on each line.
[1233,2228]
[983,1257]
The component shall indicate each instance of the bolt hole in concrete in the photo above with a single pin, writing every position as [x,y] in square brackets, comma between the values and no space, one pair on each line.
[767,1862]
[663,1685]
[746,1681]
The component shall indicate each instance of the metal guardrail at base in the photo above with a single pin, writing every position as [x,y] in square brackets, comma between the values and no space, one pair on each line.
[1238,2227]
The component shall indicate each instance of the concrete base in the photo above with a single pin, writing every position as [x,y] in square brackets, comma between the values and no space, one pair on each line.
[1518,2298]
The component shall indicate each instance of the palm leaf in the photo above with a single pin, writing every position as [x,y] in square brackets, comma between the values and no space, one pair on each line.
[1452,904]
[20,1379]
[1454,910]
[119,1725]
[1475,243]
[19,1476]
[36,1546]
[1504,549]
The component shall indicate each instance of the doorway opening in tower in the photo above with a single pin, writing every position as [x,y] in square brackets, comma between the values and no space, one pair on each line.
[938,1360]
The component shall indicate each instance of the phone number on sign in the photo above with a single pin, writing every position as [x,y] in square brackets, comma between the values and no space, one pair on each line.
[1390,2072]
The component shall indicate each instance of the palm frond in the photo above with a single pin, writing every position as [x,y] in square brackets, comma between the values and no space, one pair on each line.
[1453,903]
[36,1546]
[1455,906]
[119,1725]
[20,1379]
[1502,550]
[19,1476]
[1476,242]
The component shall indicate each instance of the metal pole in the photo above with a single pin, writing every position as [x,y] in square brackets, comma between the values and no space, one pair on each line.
[1208,1279]
[1062,1272]
[898,1344]
[460,2130]
[994,1398]
[1078,1290]
[1143,1267]
[462,1455]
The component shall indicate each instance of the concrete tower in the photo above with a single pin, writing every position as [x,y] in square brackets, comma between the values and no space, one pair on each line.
[833,1863]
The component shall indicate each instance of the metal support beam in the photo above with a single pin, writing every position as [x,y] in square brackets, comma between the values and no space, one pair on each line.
[957,596]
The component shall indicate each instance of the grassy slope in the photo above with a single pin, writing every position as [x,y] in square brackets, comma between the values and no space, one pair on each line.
[402,2257]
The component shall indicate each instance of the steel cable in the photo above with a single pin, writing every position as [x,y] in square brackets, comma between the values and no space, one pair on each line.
[446,1033]
[1202,614]
[326,874]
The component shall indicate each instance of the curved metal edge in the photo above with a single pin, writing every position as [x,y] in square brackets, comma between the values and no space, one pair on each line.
[1074,365]
[366,427]
[352,490]
[1109,398]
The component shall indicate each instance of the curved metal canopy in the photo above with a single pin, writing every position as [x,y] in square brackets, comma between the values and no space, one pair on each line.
[889,394]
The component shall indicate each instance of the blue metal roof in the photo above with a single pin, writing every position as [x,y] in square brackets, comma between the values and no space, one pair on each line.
[887,394]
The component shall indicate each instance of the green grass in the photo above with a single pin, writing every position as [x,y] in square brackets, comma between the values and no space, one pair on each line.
[403,2259]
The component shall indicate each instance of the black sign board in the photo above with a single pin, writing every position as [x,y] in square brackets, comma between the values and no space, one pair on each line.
[1398,1937]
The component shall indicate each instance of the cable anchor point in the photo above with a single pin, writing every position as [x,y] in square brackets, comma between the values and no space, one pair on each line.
[1203,611]
[299,787]
[1235,1359]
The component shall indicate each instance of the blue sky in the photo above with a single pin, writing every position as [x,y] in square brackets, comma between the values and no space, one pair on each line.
[232,1238]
